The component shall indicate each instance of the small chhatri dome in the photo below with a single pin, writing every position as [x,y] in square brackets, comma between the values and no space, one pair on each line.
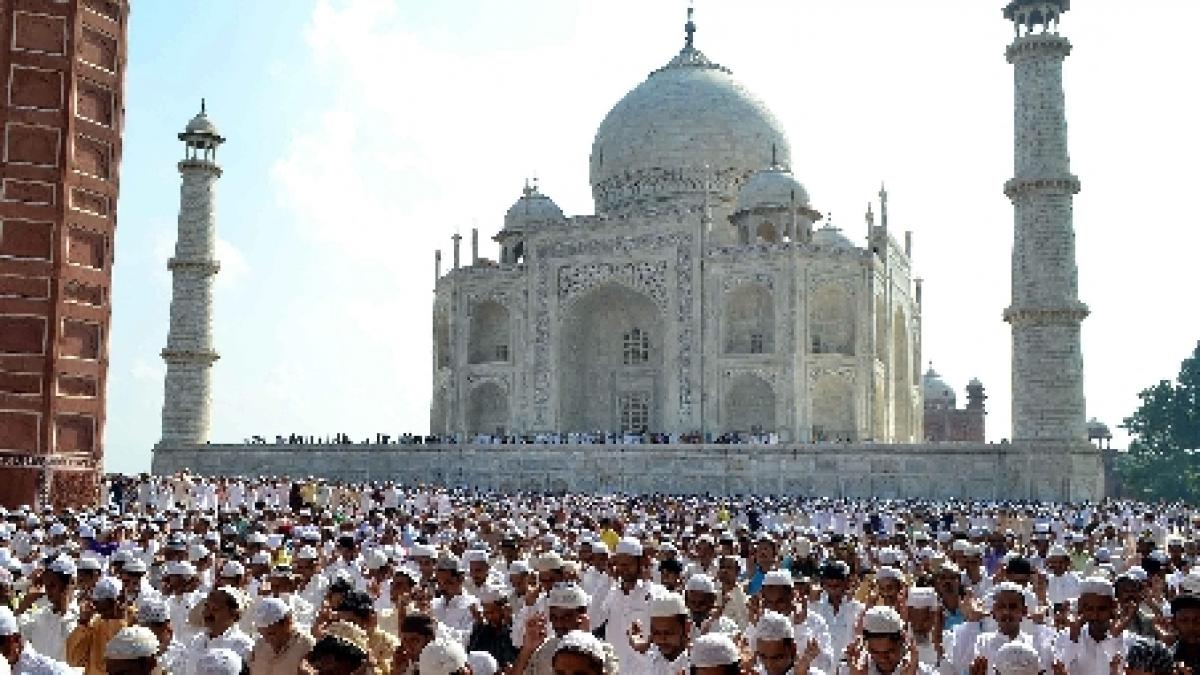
[533,208]
[1098,430]
[689,121]
[200,124]
[936,391]
[831,237]
[773,187]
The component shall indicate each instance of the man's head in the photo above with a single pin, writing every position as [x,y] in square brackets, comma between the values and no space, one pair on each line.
[778,592]
[670,626]
[1097,606]
[1008,607]
[416,631]
[274,620]
[627,560]
[923,607]
[1185,618]
[222,608]
[11,642]
[775,642]
[883,635]
[443,657]
[336,655]
[568,609]
[132,651]
[835,579]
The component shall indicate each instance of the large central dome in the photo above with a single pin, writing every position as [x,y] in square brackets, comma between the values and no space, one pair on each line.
[655,144]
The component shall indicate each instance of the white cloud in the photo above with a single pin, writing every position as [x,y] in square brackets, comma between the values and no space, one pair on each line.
[234,266]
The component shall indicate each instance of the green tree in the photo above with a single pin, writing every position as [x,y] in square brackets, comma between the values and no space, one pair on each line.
[1163,461]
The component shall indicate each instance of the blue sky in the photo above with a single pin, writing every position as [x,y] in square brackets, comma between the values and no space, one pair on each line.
[363,133]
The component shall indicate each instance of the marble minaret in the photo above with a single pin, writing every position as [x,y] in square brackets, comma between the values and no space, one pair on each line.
[189,353]
[1045,314]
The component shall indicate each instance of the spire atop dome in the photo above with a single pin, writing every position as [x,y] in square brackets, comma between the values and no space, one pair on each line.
[689,29]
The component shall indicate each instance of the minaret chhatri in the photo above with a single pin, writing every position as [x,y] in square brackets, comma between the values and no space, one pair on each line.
[1045,314]
[189,353]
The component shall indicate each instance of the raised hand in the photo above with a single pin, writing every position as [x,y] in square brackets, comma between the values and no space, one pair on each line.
[911,661]
[856,660]
[535,631]
[1059,668]
[972,609]
[979,666]
[636,642]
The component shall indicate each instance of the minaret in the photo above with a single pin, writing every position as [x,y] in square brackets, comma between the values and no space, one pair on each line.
[1045,314]
[189,353]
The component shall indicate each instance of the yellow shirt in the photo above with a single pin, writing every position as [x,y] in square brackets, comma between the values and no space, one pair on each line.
[610,538]
[85,644]
[383,648]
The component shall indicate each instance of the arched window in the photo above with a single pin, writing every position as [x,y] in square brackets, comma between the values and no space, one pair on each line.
[635,347]
[489,333]
[749,320]
[767,233]
[831,329]
[635,412]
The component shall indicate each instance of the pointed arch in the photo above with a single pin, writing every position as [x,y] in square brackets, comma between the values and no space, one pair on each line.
[749,319]
[750,405]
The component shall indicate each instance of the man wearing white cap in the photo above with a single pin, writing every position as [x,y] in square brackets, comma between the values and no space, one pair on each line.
[884,649]
[700,594]
[1062,583]
[99,621]
[1009,609]
[840,611]
[454,608]
[775,647]
[1089,647]
[220,614]
[219,661]
[54,613]
[281,645]
[152,613]
[628,599]
[179,580]
[924,628]
[567,609]
[666,652]
[20,655]
[778,594]
[132,651]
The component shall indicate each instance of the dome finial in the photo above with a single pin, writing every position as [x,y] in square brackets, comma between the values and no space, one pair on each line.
[689,28]
[202,107]
[774,155]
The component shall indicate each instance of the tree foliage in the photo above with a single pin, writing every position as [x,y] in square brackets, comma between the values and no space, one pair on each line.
[1163,461]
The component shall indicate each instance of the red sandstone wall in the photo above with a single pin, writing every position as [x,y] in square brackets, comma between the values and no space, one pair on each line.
[62,66]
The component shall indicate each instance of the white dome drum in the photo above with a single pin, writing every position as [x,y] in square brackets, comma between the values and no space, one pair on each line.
[690,122]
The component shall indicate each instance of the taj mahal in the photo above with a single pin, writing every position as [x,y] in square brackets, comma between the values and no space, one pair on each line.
[704,294]
[708,300]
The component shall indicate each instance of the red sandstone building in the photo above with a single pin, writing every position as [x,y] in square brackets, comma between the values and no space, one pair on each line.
[944,420]
[63,64]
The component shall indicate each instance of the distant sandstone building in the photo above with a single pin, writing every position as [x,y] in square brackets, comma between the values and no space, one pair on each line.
[63,67]
[703,295]
[944,420]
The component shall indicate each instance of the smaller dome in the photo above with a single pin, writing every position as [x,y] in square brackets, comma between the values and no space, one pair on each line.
[936,391]
[773,187]
[831,237]
[200,124]
[533,208]
[1097,429]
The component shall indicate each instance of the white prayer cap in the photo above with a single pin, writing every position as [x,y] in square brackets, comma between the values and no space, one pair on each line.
[1058,551]
[198,552]
[1137,573]
[422,551]
[803,548]
[219,662]
[152,610]
[568,595]
[132,642]
[583,642]
[889,556]
[777,578]
[375,559]
[482,663]
[889,573]
[490,593]
[475,555]
[239,598]
[922,597]
[88,562]
[232,568]
[1008,587]
[518,567]
[629,546]
[1190,583]
[256,538]
[57,530]
[774,626]
[972,550]
[8,622]
[135,566]
[702,583]
[1096,586]
[87,532]
[882,621]
[63,565]
[1017,658]
[107,588]
[599,547]
[959,545]
[667,604]
[260,558]
[270,611]
[714,650]
[178,568]
[442,657]
[306,553]
[549,561]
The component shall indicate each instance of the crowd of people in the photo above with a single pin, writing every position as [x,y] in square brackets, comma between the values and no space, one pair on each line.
[545,438]
[203,576]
